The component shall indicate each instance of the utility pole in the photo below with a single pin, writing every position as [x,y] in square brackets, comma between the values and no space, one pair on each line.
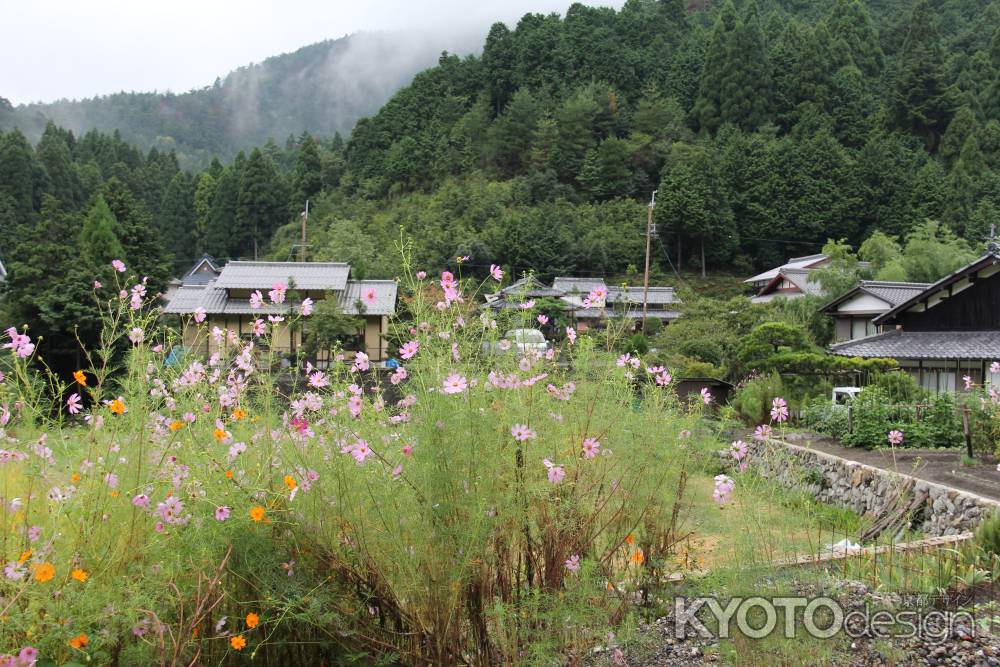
[645,274]
[302,242]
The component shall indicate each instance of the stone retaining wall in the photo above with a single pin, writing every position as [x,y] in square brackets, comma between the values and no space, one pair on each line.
[865,489]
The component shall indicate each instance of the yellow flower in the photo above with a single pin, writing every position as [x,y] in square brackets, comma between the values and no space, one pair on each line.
[80,378]
[290,482]
[239,414]
[176,425]
[117,406]
[252,620]
[79,575]
[238,642]
[44,572]
[79,641]
[257,513]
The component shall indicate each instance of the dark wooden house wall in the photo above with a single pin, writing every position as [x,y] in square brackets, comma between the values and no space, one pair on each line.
[976,308]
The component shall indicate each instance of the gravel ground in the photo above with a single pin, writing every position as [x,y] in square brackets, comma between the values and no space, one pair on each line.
[656,644]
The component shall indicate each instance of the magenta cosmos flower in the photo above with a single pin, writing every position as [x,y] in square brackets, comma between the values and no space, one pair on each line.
[556,472]
[591,447]
[73,403]
[119,265]
[496,272]
[895,437]
[222,513]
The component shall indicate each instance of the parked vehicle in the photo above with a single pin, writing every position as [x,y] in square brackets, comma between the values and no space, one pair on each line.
[520,341]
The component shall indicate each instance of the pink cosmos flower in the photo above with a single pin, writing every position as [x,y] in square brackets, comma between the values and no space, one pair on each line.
[738,450]
[73,403]
[256,300]
[723,489]
[307,307]
[623,360]
[141,500]
[706,395]
[556,472]
[448,280]
[571,335]
[318,380]
[258,327]
[119,265]
[369,297]
[591,447]
[543,319]
[528,305]
[573,563]
[455,384]
[521,432]
[762,433]
[360,450]
[496,272]
[421,275]
[199,314]
[995,367]
[361,362]
[20,343]
[895,437]
[408,350]
[221,513]
[277,293]
[136,335]
[407,450]
[779,410]
[663,378]
[27,656]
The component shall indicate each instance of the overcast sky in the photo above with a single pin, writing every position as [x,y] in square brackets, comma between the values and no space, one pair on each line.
[52,49]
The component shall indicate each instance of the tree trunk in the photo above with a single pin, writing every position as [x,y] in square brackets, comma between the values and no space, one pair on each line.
[702,256]
[678,252]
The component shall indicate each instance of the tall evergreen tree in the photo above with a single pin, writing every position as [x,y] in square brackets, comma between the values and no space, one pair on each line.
[307,178]
[921,100]
[17,179]
[99,237]
[850,23]
[707,109]
[145,251]
[176,219]
[261,204]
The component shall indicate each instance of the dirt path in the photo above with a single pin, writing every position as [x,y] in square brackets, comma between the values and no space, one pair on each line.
[935,465]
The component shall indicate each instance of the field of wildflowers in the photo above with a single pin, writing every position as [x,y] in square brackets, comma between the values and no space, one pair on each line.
[468,507]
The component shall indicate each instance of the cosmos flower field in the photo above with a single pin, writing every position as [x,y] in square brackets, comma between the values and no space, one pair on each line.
[466,507]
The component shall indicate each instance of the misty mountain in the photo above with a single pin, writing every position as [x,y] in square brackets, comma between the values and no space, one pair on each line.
[322,88]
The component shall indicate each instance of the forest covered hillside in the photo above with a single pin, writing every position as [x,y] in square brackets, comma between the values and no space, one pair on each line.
[767,127]
[322,88]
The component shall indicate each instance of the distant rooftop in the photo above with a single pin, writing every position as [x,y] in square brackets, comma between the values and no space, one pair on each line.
[579,285]
[304,275]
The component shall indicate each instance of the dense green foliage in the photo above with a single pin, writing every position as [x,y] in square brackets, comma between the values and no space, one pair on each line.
[768,128]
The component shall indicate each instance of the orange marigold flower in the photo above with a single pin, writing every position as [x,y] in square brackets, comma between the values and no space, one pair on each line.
[638,557]
[80,378]
[238,642]
[79,574]
[229,474]
[257,513]
[239,414]
[220,435]
[290,482]
[629,539]
[75,477]
[25,555]
[79,641]
[44,572]
[117,406]
[252,620]
[176,425]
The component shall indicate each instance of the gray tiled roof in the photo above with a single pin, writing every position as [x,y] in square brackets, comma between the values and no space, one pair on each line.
[305,275]
[893,293]
[384,292]
[898,344]
[530,288]
[580,285]
[793,263]
[186,299]
[657,295]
